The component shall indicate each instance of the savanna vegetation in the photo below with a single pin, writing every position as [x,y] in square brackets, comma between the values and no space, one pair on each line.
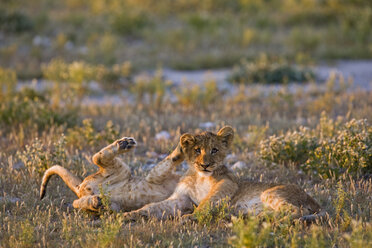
[319,139]
[181,34]
[69,85]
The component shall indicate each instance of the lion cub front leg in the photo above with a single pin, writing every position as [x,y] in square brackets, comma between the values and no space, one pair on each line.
[223,190]
[163,170]
[173,206]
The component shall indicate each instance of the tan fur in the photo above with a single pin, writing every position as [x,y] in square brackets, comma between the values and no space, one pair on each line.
[114,177]
[208,181]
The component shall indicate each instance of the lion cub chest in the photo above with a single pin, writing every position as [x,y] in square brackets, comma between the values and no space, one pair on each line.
[202,187]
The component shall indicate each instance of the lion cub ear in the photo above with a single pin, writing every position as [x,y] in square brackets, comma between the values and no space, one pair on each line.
[227,135]
[187,140]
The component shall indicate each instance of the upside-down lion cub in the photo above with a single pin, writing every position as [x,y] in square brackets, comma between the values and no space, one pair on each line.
[126,192]
[208,181]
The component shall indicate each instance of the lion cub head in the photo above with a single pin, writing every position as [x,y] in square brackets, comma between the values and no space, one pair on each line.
[206,151]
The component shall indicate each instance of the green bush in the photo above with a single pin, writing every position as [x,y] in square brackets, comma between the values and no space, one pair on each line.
[14,22]
[78,73]
[152,87]
[198,95]
[129,22]
[330,149]
[213,213]
[8,81]
[270,231]
[116,77]
[292,146]
[87,135]
[264,231]
[269,71]
[59,71]
[32,109]
[350,151]
[38,157]
[24,235]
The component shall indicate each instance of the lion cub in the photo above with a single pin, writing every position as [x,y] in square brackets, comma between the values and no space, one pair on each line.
[126,192]
[208,181]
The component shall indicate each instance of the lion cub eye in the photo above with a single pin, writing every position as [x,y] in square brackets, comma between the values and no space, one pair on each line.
[214,151]
[197,150]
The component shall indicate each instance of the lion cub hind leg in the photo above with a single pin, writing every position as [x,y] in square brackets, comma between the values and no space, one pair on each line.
[290,198]
[107,157]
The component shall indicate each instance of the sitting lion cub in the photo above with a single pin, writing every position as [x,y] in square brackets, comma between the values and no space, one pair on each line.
[114,176]
[208,181]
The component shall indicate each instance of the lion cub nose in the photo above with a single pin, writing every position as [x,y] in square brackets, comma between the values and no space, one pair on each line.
[205,166]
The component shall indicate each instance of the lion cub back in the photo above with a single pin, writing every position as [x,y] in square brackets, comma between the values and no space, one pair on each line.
[255,196]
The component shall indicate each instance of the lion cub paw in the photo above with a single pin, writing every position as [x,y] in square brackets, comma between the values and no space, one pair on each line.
[126,143]
[177,155]
[96,202]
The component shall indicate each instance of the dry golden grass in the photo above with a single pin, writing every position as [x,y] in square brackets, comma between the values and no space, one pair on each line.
[255,113]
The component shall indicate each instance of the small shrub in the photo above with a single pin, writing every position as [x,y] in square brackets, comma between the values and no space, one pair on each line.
[213,213]
[264,231]
[291,147]
[154,88]
[105,196]
[61,72]
[32,109]
[8,81]
[129,23]
[342,216]
[14,22]
[38,157]
[349,151]
[355,25]
[272,232]
[269,71]
[330,149]
[361,234]
[304,40]
[86,135]
[113,78]
[109,231]
[248,36]
[78,73]
[24,236]
[250,233]
[316,237]
[199,95]
[255,134]
[201,22]
[83,234]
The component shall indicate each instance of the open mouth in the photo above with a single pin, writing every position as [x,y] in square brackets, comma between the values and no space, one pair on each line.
[205,170]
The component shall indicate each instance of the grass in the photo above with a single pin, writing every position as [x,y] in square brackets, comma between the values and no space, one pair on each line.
[318,137]
[38,134]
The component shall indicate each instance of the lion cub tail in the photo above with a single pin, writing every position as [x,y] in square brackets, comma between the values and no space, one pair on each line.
[71,180]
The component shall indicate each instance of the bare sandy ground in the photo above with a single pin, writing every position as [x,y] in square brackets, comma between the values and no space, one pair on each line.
[359,71]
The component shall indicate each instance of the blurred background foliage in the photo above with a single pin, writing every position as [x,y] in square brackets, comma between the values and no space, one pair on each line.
[178,33]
